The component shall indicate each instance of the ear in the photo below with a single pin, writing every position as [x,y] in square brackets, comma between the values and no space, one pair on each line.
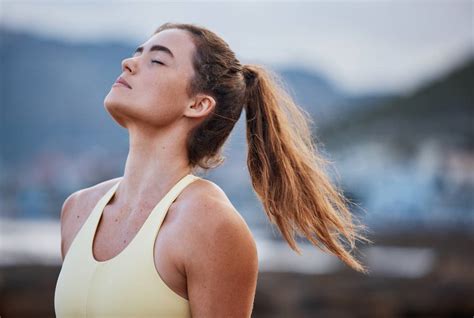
[200,106]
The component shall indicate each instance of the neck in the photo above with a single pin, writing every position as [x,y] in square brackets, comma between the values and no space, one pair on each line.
[155,162]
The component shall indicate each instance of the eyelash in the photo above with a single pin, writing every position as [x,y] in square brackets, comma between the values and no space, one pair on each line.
[157,62]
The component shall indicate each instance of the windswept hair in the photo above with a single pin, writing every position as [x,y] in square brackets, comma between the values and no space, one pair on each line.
[287,171]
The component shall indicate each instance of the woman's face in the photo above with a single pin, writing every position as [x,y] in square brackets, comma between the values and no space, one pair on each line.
[158,73]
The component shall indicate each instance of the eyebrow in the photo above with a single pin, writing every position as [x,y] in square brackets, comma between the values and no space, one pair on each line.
[156,47]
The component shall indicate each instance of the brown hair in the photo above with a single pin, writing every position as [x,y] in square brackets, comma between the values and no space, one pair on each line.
[286,170]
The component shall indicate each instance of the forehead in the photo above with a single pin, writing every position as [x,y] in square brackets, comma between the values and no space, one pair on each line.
[178,41]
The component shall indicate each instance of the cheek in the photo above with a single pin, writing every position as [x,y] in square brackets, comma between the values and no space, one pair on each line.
[168,98]
[158,107]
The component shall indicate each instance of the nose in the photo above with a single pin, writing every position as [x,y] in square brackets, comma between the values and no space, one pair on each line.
[129,64]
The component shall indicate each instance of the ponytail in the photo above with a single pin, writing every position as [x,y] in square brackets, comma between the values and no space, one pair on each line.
[287,172]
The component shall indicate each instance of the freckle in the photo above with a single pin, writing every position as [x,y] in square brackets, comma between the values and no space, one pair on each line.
[163,147]
[124,241]
[78,216]
[115,220]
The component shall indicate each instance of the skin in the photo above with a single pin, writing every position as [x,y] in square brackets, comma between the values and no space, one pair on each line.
[204,251]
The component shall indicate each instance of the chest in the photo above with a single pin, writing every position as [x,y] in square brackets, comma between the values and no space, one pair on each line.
[114,233]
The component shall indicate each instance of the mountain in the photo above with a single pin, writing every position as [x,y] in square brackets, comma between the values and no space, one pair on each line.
[56,135]
[409,160]
[442,109]
[322,99]
[53,91]
[52,94]
[395,153]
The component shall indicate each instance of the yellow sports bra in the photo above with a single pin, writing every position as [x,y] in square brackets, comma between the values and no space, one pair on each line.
[127,285]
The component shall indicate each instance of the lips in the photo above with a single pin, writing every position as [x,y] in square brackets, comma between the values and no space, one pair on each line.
[122,81]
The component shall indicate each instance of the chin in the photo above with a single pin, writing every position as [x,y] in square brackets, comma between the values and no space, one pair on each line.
[116,110]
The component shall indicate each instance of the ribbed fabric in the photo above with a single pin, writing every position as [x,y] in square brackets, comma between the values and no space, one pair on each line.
[127,285]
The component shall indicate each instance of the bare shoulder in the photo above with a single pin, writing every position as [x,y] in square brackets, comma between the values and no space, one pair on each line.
[221,261]
[77,207]
[206,205]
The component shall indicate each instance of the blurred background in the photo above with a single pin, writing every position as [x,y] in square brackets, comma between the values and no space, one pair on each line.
[389,86]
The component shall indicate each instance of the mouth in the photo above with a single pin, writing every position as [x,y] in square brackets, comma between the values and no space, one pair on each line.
[120,80]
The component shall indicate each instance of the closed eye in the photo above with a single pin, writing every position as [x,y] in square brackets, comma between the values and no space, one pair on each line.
[156,61]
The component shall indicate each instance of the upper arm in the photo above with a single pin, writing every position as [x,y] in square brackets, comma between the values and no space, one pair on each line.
[221,264]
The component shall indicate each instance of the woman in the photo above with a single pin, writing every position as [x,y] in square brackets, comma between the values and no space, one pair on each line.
[179,96]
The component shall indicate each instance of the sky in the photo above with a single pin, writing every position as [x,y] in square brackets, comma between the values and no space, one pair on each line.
[361,46]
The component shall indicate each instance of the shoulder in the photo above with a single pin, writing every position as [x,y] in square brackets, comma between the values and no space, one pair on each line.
[221,259]
[77,207]
[208,208]
[86,196]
